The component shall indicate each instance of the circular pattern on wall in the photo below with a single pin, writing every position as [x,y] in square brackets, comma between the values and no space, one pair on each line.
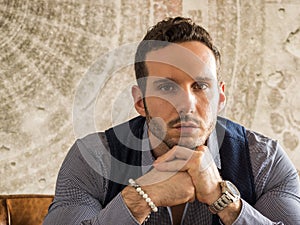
[10,21]
[45,48]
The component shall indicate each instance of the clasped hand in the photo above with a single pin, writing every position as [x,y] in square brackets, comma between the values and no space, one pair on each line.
[181,175]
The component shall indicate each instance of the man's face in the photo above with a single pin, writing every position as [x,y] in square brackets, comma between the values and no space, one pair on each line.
[183,96]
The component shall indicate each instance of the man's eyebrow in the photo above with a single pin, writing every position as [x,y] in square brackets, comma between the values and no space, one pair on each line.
[197,79]
[163,80]
[203,79]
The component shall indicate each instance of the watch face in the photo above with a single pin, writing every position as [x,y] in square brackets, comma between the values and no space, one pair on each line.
[232,188]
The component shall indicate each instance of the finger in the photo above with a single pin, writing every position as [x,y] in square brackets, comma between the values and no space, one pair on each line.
[177,152]
[172,166]
[206,157]
[154,176]
[168,156]
[201,148]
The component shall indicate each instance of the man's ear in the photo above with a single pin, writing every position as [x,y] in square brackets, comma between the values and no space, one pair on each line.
[138,100]
[222,96]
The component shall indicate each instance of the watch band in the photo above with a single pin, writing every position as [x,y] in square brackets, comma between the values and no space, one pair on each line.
[229,195]
[221,203]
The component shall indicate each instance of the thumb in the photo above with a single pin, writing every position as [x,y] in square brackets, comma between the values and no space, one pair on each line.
[206,159]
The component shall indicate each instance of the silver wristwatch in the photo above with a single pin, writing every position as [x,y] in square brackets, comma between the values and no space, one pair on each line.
[229,194]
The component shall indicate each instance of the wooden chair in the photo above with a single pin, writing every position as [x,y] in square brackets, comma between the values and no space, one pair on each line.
[24,209]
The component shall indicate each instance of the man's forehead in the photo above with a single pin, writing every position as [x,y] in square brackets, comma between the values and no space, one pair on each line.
[190,57]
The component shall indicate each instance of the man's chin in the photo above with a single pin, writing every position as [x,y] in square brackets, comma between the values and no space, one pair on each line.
[186,142]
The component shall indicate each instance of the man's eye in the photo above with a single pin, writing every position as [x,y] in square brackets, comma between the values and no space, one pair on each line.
[167,87]
[200,86]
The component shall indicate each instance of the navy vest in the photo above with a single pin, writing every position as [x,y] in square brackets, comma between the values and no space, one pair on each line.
[125,143]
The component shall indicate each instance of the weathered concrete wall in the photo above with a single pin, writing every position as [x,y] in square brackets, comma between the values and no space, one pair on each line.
[49,47]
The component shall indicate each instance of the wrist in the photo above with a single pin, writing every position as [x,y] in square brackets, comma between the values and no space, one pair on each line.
[230,194]
[229,204]
[135,203]
[231,213]
[210,199]
[143,194]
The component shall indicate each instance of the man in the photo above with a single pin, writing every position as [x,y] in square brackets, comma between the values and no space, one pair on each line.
[178,162]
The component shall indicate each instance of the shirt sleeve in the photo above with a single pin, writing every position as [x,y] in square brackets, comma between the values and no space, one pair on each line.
[81,189]
[277,186]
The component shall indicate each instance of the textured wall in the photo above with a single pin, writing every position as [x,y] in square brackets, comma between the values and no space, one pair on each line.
[51,52]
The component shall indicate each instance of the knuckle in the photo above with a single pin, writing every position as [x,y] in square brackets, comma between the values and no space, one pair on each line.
[202,148]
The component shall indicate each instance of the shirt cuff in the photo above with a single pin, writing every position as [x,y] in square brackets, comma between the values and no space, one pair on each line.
[249,216]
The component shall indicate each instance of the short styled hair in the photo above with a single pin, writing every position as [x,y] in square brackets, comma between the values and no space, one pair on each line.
[170,30]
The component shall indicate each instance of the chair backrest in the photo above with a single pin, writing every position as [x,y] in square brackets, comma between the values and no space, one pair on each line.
[24,209]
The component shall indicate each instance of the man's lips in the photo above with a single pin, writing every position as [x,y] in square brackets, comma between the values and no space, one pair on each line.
[186,125]
[186,128]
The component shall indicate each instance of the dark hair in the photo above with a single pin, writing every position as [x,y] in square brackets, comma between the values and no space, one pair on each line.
[170,30]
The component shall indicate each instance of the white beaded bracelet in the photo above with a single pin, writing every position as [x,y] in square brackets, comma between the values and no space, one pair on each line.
[142,193]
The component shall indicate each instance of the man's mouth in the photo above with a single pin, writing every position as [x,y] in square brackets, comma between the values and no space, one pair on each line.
[186,127]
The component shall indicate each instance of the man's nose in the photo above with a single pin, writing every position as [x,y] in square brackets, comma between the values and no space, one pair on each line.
[186,102]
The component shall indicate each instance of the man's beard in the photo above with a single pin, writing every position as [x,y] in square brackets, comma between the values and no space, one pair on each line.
[159,130]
